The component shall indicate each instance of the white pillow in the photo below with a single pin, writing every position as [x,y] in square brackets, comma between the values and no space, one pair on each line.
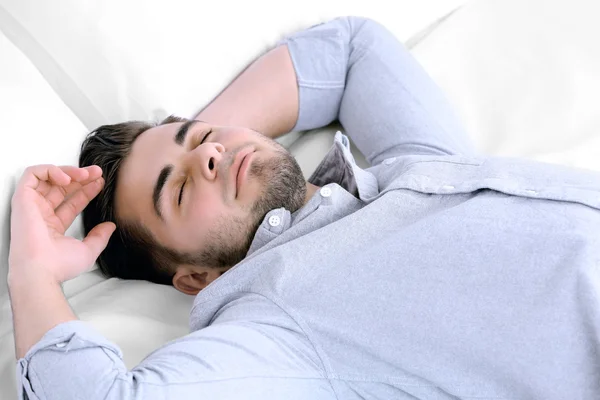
[524,76]
[37,127]
[117,60]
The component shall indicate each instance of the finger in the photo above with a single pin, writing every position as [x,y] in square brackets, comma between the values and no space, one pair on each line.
[57,194]
[83,174]
[74,204]
[76,174]
[97,239]
[33,175]
[44,187]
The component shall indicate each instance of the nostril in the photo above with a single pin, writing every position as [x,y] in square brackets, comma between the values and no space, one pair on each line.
[211,165]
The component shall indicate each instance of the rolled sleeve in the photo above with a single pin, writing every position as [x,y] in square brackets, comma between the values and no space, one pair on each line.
[354,70]
[320,58]
[48,370]
[72,361]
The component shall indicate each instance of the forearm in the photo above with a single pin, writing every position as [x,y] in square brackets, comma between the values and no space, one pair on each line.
[352,70]
[38,305]
[58,356]
[283,86]
[298,85]
[264,97]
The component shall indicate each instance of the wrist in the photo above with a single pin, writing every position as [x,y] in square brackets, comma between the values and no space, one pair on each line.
[19,276]
[38,305]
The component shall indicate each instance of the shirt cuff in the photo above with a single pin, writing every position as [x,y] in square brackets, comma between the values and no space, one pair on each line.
[44,371]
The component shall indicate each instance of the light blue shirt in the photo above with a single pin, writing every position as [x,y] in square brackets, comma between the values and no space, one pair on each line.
[435,273]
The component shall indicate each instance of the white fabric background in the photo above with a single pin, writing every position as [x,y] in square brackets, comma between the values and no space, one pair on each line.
[33,120]
[524,76]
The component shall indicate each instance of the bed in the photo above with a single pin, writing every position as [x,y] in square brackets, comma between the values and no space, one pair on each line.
[522,74]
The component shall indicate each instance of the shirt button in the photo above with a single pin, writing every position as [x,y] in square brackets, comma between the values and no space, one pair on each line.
[325,192]
[447,187]
[389,161]
[61,345]
[274,220]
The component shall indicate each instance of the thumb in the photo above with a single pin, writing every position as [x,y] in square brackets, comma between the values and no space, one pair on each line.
[98,237]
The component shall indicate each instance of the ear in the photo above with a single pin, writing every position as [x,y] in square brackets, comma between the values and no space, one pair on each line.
[190,280]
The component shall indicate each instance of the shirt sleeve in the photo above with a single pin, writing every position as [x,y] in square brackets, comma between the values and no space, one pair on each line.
[73,361]
[354,70]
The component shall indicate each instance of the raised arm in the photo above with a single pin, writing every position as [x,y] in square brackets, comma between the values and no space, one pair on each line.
[264,97]
[353,70]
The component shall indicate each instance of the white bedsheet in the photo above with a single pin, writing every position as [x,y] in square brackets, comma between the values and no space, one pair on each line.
[523,75]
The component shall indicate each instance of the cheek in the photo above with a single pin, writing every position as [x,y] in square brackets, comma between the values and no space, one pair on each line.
[205,208]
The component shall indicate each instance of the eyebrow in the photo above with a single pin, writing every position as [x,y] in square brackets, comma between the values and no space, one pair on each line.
[183,130]
[158,187]
[166,171]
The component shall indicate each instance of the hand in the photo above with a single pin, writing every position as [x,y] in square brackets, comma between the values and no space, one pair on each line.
[45,203]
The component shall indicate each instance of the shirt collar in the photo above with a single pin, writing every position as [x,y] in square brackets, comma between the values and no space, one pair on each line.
[338,166]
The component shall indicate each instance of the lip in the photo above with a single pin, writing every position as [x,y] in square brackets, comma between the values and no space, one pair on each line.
[239,168]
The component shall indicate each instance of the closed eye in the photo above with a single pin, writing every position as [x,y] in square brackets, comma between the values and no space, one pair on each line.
[181,192]
[205,136]
[184,182]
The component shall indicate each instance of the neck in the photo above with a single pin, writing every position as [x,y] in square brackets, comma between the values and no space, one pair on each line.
[310,191]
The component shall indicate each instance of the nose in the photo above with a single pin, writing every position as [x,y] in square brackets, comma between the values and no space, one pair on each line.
[205,159]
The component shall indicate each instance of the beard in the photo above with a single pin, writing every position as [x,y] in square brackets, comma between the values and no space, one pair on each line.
[284,186]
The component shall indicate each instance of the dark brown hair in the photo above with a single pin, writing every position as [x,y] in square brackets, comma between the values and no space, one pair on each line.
[132,252]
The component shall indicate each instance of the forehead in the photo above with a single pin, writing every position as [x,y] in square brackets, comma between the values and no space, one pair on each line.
[150,152]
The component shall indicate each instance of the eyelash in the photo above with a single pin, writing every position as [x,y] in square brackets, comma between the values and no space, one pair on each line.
[184,182]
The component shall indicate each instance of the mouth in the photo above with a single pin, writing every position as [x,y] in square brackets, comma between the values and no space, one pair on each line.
[239,168]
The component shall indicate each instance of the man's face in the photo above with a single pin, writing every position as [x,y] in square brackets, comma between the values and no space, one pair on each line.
[203,190]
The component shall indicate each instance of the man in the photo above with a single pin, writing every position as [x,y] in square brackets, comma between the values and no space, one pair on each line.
[433,274]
